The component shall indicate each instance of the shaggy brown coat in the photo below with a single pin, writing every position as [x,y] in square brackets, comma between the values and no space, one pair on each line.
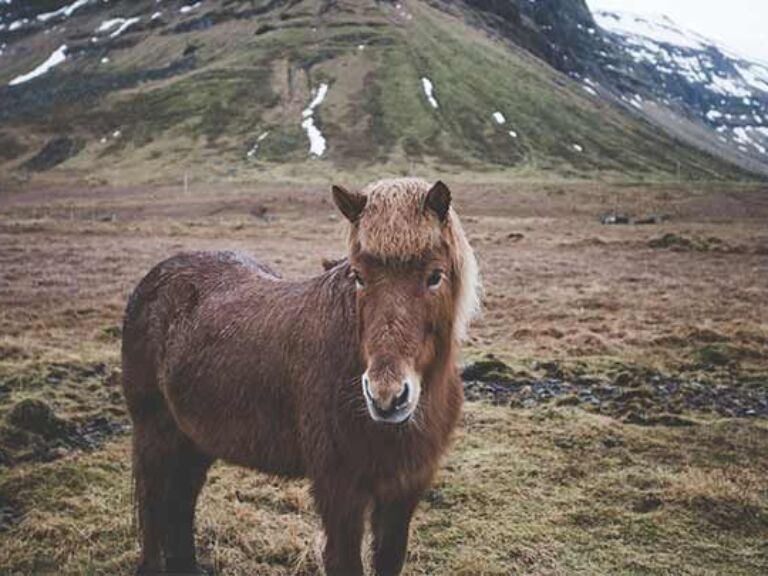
[223,359]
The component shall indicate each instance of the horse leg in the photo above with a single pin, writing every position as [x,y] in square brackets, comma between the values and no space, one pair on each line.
[187,478]
[390,522]
[342,510]
[152,436]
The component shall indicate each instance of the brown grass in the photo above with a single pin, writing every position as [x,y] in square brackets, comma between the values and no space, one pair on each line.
[538,491]
[535,492]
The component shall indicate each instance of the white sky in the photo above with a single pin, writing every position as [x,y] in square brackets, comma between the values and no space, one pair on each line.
[738,24]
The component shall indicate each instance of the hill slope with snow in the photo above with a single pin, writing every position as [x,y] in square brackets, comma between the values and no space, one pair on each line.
[144,90]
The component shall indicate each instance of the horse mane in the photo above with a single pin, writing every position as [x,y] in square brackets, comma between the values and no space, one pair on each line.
[395,226]
[331,263]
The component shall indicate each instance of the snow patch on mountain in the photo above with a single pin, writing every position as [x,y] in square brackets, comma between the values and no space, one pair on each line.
[658,29]
[65,11]
[317,143]
[255,148]
[429,88]
[189,7]
[121,25]
[124,26]
[58,56]
[17,24]
[750,136]
[756,75]
[729,86]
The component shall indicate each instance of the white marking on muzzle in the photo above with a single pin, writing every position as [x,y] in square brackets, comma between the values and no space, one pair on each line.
[410,394]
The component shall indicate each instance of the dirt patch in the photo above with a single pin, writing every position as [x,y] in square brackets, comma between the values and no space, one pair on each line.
[680,243]
[48,410]
[34,433]
[10,147]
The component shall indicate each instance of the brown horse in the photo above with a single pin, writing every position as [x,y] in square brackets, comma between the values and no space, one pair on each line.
[348,378]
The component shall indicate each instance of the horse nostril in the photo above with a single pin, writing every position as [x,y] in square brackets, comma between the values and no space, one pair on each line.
[404,396]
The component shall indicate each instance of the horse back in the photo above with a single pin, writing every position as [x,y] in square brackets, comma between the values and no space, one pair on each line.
[204,334]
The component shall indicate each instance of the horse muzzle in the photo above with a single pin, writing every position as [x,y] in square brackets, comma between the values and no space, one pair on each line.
[388,401]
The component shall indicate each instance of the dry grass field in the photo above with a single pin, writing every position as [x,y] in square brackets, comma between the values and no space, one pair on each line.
[621,430]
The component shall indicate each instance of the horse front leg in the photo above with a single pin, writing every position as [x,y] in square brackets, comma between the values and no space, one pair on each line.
[342,510]
[390,523]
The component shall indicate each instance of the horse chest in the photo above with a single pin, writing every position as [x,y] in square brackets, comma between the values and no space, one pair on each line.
[395,466]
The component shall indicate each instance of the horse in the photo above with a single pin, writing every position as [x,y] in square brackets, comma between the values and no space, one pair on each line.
[347,378]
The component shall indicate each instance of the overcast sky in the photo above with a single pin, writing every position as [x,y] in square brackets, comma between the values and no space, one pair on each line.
[738,24]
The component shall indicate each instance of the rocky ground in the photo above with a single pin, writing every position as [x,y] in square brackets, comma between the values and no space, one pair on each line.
[638,395]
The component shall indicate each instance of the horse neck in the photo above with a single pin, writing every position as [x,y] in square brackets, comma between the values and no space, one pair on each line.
[329,304]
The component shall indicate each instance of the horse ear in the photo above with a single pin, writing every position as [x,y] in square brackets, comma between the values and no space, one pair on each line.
[351,204]
[438,200]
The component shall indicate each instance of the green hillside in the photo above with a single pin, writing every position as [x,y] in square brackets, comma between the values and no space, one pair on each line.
[220,90]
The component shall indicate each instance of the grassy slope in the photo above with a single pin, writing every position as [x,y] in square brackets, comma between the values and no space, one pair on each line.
[547,491]
[375,117]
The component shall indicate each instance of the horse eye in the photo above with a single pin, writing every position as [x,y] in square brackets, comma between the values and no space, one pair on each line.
[359,284]
[435,279]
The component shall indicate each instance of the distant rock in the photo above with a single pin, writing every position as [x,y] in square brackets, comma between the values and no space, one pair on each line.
[618,218]
[614,218]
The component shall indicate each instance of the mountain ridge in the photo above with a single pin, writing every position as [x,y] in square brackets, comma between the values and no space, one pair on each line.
[699,78]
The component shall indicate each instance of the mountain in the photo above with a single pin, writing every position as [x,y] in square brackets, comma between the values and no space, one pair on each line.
[692,76]
[687,85]
[144,90]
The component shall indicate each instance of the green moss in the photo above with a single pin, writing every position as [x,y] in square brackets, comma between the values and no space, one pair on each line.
[208,105]
[284,144]
[712,356]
